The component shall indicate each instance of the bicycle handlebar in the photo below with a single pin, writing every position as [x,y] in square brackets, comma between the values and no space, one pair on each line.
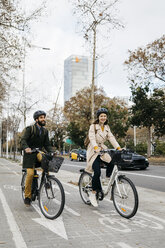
[111,151]
[39,151]
[35,150]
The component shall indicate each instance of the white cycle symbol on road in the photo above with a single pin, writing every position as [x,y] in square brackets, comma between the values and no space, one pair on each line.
[113,222]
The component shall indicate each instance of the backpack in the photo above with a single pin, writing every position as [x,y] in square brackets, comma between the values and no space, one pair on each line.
[87,141]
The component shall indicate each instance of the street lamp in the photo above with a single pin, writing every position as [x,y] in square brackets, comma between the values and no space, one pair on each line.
[23,86]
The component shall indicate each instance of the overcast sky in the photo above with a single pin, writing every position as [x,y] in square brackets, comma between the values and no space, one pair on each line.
[144,22]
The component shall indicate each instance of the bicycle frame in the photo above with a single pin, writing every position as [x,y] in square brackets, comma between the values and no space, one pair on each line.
[113,178]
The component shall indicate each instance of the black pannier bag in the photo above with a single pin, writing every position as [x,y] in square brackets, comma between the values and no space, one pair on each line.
[51,163]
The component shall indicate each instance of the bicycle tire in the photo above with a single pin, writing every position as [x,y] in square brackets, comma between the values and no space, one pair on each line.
[23,185]
[50,198]
[85,185]
[126,205]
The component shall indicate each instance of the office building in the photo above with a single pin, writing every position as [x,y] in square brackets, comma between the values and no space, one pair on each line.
[77,75]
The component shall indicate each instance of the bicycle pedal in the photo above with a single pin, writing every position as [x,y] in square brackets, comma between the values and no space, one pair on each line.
[36,176]
[100,195]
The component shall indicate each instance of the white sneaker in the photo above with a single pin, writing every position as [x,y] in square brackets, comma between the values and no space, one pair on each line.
[92,198]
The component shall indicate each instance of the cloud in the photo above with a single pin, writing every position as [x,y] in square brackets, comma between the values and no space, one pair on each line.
[144,23]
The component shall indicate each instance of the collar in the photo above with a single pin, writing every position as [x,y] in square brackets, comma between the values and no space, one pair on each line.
[98,127]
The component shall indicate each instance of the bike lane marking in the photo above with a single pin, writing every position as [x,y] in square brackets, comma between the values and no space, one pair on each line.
[18,188]
[143,213]
[56,226]
[111,221]
[17,236]
[140,212]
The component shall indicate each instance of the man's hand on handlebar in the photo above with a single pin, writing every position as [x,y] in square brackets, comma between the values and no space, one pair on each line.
[28,150]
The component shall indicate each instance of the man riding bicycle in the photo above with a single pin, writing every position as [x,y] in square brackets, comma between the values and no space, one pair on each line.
[35,136]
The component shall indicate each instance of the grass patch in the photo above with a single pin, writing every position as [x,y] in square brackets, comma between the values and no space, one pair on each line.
[157,160]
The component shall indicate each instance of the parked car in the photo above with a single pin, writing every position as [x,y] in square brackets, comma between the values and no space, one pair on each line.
[78,154]
[131,159]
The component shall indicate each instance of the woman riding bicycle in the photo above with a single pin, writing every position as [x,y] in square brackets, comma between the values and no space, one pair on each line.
[99,132]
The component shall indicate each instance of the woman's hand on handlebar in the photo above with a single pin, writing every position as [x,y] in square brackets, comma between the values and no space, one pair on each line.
[97,149]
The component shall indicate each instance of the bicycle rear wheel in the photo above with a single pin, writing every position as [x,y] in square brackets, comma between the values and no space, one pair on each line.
[85,186]
[51,198]
[125,197]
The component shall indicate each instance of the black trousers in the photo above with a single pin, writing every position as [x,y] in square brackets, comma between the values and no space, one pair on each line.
[96,184]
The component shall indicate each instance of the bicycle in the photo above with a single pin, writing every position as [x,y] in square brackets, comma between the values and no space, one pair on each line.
[49,192]
[122,190]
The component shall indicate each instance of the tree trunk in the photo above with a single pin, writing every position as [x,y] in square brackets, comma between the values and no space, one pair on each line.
[14,145]
[149,143]
[93,74]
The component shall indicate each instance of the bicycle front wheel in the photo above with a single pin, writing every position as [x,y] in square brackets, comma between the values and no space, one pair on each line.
[85,186]
[51,198]
[125,197]
[23,185]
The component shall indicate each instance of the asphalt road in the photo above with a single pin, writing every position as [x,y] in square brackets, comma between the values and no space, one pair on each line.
[152,178]
[79,225]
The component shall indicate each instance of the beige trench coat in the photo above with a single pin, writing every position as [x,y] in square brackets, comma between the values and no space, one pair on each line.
[97,139]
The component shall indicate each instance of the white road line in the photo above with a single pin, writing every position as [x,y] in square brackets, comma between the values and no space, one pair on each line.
[6,167]
[14,172]
[67,193]
[123,245]
[17,236]
[68,184]
[124,172]
[73,165]
[151,216]
[143,175]
[71,211]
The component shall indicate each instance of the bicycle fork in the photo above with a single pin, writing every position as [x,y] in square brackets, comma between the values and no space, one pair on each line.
[49,189]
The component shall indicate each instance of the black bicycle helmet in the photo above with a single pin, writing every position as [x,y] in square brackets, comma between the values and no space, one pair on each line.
[38,113]
[100,111]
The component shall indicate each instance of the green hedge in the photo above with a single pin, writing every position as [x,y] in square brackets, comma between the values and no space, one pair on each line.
[141,148]
[160,148]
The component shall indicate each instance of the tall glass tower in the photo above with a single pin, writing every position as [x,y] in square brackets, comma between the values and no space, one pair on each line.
[77,75]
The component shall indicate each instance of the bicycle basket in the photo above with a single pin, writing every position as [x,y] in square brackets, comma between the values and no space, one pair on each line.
[44,162]
[55,164]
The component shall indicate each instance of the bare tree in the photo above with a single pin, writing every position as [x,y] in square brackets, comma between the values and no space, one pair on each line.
[14,24]
[57,126]
[25,104]
[146,64]
[94,16]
